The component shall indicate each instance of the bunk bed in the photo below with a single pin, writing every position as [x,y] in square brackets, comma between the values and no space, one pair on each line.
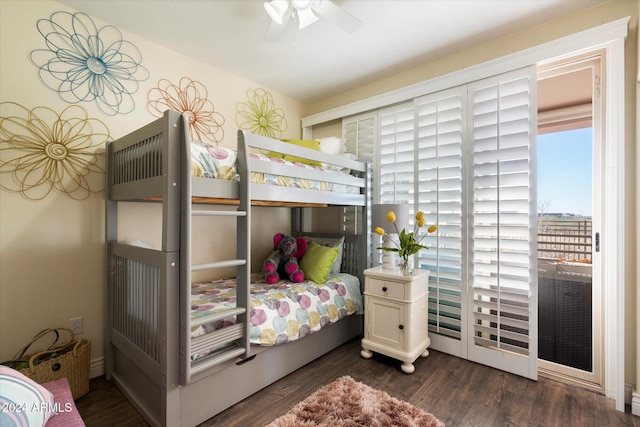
[152,352]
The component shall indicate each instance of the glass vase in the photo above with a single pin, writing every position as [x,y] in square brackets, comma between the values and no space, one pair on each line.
[407,267]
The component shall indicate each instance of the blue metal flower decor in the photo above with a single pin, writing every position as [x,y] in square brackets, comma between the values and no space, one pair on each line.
[87,64]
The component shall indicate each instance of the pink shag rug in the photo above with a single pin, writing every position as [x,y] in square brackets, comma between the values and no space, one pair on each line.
[348,403]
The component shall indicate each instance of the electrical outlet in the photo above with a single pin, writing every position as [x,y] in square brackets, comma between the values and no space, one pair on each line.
[75,325]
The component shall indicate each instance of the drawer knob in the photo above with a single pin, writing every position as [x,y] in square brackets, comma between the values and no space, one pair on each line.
[384,289]
[401,327]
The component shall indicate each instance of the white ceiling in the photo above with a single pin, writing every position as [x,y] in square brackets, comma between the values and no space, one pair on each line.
[395,35]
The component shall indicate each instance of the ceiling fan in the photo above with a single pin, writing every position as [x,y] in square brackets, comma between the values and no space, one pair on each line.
[304,13]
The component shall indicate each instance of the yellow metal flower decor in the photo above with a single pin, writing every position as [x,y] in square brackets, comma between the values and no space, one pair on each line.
[44,150]
[259,114]
[409,243]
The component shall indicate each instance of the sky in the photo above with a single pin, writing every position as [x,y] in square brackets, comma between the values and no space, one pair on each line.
[565,172]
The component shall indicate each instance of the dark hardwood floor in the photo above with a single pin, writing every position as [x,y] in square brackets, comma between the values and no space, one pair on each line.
[456,391]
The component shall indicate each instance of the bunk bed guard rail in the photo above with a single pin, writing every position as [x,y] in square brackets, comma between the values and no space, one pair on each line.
[142,282]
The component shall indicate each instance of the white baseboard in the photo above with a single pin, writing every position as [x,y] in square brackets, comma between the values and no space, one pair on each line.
[96,367]
[635,402]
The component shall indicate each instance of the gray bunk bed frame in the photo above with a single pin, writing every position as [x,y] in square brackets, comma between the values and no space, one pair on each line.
[147,338]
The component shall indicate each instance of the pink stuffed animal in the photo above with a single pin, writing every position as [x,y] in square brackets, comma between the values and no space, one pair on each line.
[284,261]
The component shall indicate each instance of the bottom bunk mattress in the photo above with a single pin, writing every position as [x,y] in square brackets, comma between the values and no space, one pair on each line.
[281,312]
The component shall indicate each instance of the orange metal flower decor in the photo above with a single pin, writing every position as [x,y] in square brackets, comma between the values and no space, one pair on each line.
[190,98]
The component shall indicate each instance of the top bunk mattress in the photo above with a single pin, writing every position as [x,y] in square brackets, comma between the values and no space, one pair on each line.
[154,160]
[222,163]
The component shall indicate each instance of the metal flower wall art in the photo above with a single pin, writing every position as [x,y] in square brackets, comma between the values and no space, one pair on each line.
[190,98]
[44,151]
[86,64]
[259,114]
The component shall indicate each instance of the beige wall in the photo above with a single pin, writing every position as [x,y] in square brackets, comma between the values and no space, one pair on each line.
[52,250]
[459,60]
[635,408]
[593,17]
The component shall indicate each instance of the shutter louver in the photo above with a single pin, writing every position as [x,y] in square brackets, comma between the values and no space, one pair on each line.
[503,205]
[439,123]
[396,158]
[358,136]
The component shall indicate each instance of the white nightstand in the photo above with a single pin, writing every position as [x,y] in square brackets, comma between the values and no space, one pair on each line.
[396,315]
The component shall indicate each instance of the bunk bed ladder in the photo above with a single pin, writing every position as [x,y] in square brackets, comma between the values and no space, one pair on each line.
[231,342]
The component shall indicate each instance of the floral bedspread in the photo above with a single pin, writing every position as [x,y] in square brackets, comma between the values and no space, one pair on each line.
[208,161]
[282,312]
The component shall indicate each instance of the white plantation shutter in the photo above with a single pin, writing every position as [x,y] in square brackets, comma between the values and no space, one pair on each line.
[439,135]
[396,160]
[502,304]
[466,157]
[358,135]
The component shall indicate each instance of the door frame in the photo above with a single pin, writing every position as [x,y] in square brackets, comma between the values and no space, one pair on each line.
[594,113]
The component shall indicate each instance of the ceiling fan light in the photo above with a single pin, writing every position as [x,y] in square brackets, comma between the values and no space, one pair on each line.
[301,4]
[306,17]
[276,9]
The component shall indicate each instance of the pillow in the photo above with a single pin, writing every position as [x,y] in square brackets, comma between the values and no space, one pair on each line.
[317,261]
[334,242]
[306,143]
[313,145]
[68,415]
[331,145]
[24,402]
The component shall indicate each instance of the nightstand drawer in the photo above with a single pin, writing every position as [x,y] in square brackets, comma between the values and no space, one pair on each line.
[385,288]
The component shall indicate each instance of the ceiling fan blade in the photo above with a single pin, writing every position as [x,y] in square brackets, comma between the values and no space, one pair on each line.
[276,30]
[333,13]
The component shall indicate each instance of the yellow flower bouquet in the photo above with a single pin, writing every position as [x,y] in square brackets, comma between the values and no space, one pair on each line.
[408,243]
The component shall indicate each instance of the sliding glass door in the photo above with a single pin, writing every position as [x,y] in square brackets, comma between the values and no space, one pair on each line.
[466,157]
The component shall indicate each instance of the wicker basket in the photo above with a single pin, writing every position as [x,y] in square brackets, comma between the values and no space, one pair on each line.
[68,360]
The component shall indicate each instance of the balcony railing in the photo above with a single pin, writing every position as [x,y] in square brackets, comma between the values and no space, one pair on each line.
[564,239]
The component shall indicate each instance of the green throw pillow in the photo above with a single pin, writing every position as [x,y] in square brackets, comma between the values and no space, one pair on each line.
[317,261]
[334,242]
[311,144]
[306,143]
